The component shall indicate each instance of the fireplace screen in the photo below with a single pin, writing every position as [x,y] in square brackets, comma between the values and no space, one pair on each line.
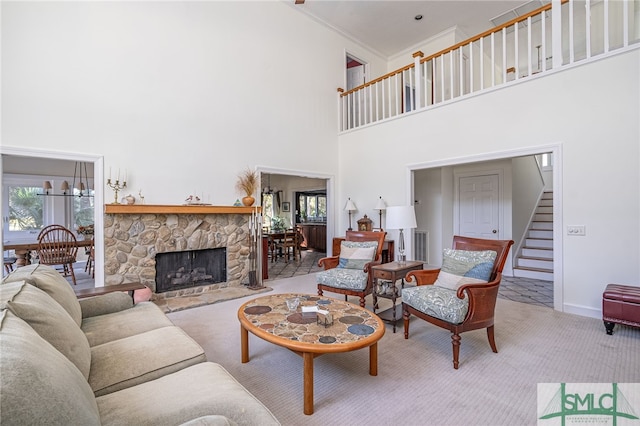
[184,269]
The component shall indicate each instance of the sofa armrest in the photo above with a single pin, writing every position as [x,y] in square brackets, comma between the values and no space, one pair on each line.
[105,304]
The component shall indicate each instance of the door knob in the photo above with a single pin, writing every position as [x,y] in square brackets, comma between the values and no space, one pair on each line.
[495,231]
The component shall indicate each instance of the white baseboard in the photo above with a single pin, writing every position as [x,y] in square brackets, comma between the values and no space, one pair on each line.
[585,311]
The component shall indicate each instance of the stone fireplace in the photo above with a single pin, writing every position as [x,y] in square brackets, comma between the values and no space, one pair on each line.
[136,234]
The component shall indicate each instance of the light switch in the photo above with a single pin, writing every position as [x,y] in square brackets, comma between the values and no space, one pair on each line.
[576,230]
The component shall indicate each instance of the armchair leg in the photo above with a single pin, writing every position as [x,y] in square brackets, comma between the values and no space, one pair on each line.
[492,340]
[405,317]
[319,292]
[361,301]
[455,341]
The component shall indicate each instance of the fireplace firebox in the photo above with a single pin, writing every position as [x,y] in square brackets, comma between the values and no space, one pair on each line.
[192,268]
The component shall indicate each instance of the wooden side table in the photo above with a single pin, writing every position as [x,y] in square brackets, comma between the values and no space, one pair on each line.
[392,271]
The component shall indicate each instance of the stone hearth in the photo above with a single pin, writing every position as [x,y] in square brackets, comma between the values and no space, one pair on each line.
[135,234]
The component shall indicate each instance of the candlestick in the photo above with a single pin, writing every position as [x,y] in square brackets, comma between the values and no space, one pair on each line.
[116,187]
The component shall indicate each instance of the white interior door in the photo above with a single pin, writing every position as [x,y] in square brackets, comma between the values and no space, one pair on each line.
[479,206]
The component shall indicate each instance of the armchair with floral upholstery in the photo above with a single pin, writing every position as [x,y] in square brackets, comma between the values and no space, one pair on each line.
[461,296]
[348,272]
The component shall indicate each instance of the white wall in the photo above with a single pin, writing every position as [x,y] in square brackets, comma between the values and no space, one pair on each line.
[184,95]
[591,111]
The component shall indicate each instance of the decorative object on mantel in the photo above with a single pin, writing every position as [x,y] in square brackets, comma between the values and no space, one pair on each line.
[130,199]
[237,203]
[140,196]
[194,200]
[117,186]
[247,184]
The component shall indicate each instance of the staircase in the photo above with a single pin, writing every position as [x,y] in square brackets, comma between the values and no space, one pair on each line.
[535,259]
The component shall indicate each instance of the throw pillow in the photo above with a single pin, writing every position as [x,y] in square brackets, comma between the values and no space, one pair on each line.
[356,254]
[461,267]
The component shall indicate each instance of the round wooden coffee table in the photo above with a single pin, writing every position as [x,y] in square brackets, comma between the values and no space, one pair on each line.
[353,328]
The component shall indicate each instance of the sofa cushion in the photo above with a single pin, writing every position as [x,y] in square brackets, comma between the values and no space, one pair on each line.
[126,362]
[461,267]
[356,254]
[47,279]
[190,393]
[49,320]
[352,279]
[39,384]
[142,317]
[438,302]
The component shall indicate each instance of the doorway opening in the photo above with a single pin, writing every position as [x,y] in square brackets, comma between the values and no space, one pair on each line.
[525,178]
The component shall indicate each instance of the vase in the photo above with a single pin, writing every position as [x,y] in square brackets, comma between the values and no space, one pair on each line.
[248,200]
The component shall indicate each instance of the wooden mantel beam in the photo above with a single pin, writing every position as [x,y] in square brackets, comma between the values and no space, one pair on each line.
[176,209]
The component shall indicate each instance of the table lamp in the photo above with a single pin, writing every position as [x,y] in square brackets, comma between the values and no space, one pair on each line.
[381,206]
[350,207]
[401,217]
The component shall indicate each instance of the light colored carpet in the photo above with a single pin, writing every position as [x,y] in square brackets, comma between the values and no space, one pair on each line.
[416,382]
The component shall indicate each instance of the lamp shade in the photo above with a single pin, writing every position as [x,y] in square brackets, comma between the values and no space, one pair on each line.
[401,217]
[381,205]
[46,185]
[350,206]
[64,186]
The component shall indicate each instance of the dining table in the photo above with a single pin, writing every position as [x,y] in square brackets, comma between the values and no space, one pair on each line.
[23,248]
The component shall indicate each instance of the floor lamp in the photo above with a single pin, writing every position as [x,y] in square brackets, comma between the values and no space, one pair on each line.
[350,207]
[401,217]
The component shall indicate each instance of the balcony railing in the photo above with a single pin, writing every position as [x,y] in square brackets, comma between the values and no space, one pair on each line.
[559,34]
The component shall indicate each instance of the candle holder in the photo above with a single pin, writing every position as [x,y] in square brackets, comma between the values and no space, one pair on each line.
[116,187]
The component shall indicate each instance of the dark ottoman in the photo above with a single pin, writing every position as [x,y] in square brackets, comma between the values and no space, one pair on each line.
[620,305]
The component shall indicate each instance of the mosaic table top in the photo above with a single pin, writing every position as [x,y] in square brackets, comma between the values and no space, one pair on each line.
[269,318]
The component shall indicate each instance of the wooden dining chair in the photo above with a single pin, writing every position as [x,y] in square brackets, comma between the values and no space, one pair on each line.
[57,246]
[289,245]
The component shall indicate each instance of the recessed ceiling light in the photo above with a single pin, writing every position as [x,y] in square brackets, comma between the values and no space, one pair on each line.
[417,17]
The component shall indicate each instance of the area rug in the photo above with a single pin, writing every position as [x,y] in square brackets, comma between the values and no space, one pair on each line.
[416,382]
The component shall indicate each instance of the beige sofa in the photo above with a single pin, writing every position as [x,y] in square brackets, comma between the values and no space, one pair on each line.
[103,360]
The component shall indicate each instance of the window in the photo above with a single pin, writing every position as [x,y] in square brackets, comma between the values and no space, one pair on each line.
[25,212]
[311,207]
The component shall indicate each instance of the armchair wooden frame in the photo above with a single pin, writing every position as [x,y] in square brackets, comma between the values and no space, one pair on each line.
[482,297]
[333,261]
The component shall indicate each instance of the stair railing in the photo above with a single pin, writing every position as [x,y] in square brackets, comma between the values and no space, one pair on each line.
[553,36]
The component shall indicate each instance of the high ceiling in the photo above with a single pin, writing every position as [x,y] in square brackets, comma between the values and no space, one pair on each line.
[389,27]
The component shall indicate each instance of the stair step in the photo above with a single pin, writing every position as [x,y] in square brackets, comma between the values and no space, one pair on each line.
[547,195]
[541,233]
[535,262]
[533,273]
[545,203]
[542,225]
[545,217]
[541,253]
[544,209]
[538,243]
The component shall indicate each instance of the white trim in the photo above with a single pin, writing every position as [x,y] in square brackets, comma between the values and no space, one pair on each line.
[98,179]
[556,150]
